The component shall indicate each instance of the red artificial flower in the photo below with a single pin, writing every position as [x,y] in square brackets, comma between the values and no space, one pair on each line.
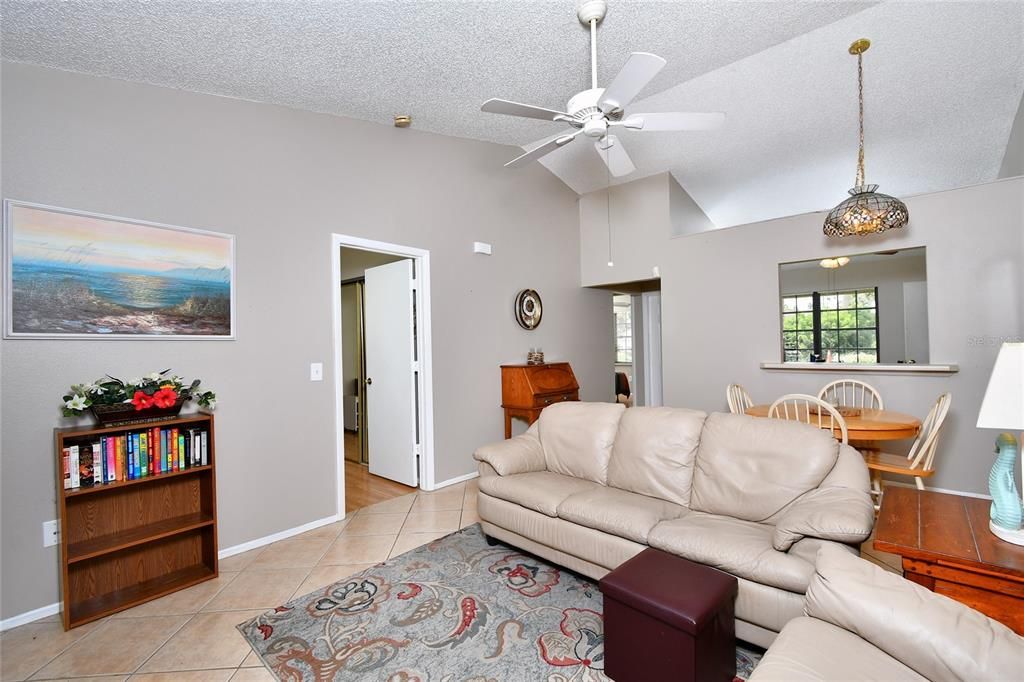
[141,400]
[165,397]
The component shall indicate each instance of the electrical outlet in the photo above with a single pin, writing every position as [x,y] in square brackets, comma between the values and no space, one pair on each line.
[316,371]
[51,533]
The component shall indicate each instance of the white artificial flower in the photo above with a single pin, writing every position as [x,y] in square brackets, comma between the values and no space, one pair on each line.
[95,388]
[76,403]
[212,404]
[134,382]
[153,376]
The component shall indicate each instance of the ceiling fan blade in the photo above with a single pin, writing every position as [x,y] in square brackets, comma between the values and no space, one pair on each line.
[638,71]
[614,154]
[541,150]
[503,106]
[674,121]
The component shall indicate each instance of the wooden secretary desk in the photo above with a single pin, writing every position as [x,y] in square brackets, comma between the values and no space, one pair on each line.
[528,389]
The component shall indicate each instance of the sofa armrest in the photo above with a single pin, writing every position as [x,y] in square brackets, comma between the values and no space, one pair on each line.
[518,455]
[841,514]
[941,639]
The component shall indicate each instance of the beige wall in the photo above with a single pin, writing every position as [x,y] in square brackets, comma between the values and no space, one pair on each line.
[282,181]
[720,308]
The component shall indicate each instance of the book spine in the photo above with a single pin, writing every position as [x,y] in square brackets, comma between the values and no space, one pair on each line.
[67,468]
[119,464]
[175,454]
[193,447]
[87,466]
[154,452]
[143,455]
[205,455]
[128,455]
[117,455]
[75,473]
[136,468]
[181,451]
[165,460]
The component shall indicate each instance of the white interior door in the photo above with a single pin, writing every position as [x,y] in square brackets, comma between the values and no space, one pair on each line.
[390,392]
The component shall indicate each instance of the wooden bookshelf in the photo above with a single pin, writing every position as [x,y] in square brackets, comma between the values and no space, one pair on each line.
[128,542]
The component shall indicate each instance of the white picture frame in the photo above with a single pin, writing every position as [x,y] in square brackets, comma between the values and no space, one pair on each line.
[139,280]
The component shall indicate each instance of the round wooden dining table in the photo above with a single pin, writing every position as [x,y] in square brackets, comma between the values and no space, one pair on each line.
[869,425]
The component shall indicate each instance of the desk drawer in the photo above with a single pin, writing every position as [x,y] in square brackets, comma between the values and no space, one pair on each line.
[545,400]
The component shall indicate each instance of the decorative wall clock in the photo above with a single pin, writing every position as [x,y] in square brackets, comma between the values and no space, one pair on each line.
[528,309]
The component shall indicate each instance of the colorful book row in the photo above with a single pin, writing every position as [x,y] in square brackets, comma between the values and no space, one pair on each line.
[137,454]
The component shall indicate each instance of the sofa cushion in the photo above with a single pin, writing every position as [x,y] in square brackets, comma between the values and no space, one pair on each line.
[739,547]
[654,452]
[751,467]
[577,438]
[540,491]
[810,650]
[618,512]
[939,638]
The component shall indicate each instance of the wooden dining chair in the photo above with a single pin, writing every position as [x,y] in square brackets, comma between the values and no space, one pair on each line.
[920,461]
[738,398]
[810,410]
[852,393]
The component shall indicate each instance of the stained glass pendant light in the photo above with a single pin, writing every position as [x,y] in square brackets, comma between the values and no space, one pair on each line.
[866,211]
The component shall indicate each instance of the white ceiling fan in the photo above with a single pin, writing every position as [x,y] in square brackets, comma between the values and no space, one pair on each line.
[597,111]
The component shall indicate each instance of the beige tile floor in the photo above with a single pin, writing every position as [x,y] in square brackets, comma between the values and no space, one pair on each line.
[190,635]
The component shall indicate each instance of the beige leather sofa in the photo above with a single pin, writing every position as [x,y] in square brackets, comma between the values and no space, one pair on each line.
[592,484]
[865,623]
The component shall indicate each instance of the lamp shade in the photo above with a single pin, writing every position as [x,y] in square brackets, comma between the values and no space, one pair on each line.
[1003,406]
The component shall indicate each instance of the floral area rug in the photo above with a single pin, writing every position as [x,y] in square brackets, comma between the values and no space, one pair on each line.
[454,610]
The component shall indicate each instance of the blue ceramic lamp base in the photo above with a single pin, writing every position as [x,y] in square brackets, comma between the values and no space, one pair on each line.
[1007,506]
[1013,536]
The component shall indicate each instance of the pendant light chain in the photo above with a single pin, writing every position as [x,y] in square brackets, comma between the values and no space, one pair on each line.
[860,120]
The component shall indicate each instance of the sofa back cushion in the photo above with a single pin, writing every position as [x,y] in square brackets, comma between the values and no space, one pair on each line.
[751,467]
[577,438]
[654,452]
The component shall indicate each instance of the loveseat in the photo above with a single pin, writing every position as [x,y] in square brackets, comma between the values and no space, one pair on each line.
[589,485]
[865,623]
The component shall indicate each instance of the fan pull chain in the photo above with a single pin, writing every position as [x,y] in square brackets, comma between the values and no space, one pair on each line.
[608,201]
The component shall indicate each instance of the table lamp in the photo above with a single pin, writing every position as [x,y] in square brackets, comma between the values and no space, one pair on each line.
[1003,408]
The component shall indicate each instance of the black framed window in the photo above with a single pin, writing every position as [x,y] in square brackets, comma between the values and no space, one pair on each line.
[844,323]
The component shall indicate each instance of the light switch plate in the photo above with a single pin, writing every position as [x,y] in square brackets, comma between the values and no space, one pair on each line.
[51,533]
[316,371]
[482,247]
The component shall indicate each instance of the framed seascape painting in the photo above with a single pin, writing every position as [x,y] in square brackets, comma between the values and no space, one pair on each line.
[71,274]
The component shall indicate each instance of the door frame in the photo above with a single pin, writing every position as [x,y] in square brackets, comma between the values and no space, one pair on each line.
[425,392]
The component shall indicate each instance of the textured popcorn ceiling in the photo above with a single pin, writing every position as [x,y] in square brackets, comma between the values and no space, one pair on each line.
[937,118]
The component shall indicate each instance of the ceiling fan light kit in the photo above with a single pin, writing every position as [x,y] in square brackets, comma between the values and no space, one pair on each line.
[595,112]
[866,211]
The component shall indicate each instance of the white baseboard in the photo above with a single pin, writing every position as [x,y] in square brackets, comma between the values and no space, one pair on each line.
[282,535]
[29,616]
[963,493]
[44,611]
[457,479]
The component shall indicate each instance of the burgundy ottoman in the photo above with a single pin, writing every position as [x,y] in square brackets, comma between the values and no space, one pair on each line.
[667,618]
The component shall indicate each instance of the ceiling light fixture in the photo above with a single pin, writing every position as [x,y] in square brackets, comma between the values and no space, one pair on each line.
[403,120]
[833,263]
[866,211]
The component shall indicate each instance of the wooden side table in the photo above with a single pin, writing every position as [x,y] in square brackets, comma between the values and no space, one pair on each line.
[946,546]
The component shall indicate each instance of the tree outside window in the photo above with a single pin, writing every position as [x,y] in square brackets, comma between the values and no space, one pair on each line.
[843,322]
